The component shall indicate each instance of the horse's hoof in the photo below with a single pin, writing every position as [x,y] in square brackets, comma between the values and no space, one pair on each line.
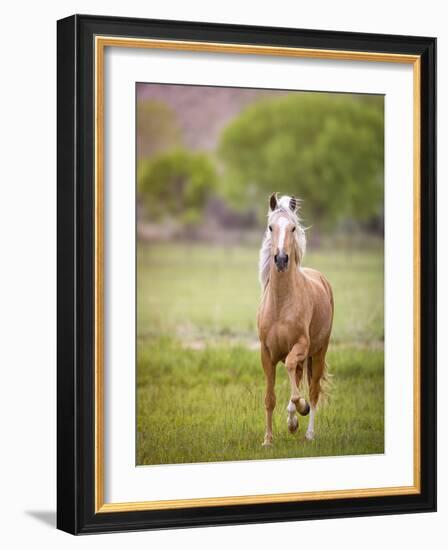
[293,424]
[309,436]
[304,407]
[266,443]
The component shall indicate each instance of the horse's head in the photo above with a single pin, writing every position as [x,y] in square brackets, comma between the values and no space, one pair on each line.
[285,231]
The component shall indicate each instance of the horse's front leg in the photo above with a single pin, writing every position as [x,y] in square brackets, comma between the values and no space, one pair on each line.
[294,365]
[269,399]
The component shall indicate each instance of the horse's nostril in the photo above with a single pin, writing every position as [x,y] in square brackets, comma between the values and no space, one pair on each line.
[281,260]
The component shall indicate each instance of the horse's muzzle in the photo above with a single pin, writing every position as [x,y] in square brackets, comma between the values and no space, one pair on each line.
[281,261]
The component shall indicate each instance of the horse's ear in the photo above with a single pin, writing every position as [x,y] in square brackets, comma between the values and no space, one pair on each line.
[293,203]
[273,201]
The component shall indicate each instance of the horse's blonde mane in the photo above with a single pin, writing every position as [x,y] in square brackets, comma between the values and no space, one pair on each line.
[282,209]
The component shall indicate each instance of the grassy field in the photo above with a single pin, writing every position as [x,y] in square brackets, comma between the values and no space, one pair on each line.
[200,385]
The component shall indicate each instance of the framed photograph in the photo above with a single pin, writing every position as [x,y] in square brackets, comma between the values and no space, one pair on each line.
[246,274]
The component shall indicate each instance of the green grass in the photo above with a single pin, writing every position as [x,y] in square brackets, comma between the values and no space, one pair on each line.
[199,380]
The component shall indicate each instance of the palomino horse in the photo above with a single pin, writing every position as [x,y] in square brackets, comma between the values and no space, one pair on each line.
[295,315]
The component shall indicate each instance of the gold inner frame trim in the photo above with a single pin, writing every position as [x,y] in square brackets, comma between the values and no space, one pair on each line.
[101,42]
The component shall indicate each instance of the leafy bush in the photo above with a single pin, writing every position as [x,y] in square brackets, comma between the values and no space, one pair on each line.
[176,184]
[324,148]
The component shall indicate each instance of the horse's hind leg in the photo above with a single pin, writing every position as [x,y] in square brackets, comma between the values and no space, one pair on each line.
[316,369]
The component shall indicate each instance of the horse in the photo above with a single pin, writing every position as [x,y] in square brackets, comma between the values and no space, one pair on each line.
[295,315]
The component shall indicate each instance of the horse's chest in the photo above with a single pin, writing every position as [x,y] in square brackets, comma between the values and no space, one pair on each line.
[280,337]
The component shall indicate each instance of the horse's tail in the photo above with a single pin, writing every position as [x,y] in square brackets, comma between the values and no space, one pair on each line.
[326,382]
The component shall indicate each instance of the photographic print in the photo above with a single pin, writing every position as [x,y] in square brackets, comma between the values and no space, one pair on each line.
[246,274]
[259,274]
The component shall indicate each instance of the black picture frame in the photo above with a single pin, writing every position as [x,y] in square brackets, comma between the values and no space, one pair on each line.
[76,272]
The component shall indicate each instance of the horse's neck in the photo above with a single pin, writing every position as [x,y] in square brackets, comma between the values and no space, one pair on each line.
[284,286]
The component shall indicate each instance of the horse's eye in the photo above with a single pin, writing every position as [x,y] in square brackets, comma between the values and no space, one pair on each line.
[270,228]
[293,229]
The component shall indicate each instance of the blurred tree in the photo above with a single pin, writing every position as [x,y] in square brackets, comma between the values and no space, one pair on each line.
[176,184]
[324,148]
[157,127]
